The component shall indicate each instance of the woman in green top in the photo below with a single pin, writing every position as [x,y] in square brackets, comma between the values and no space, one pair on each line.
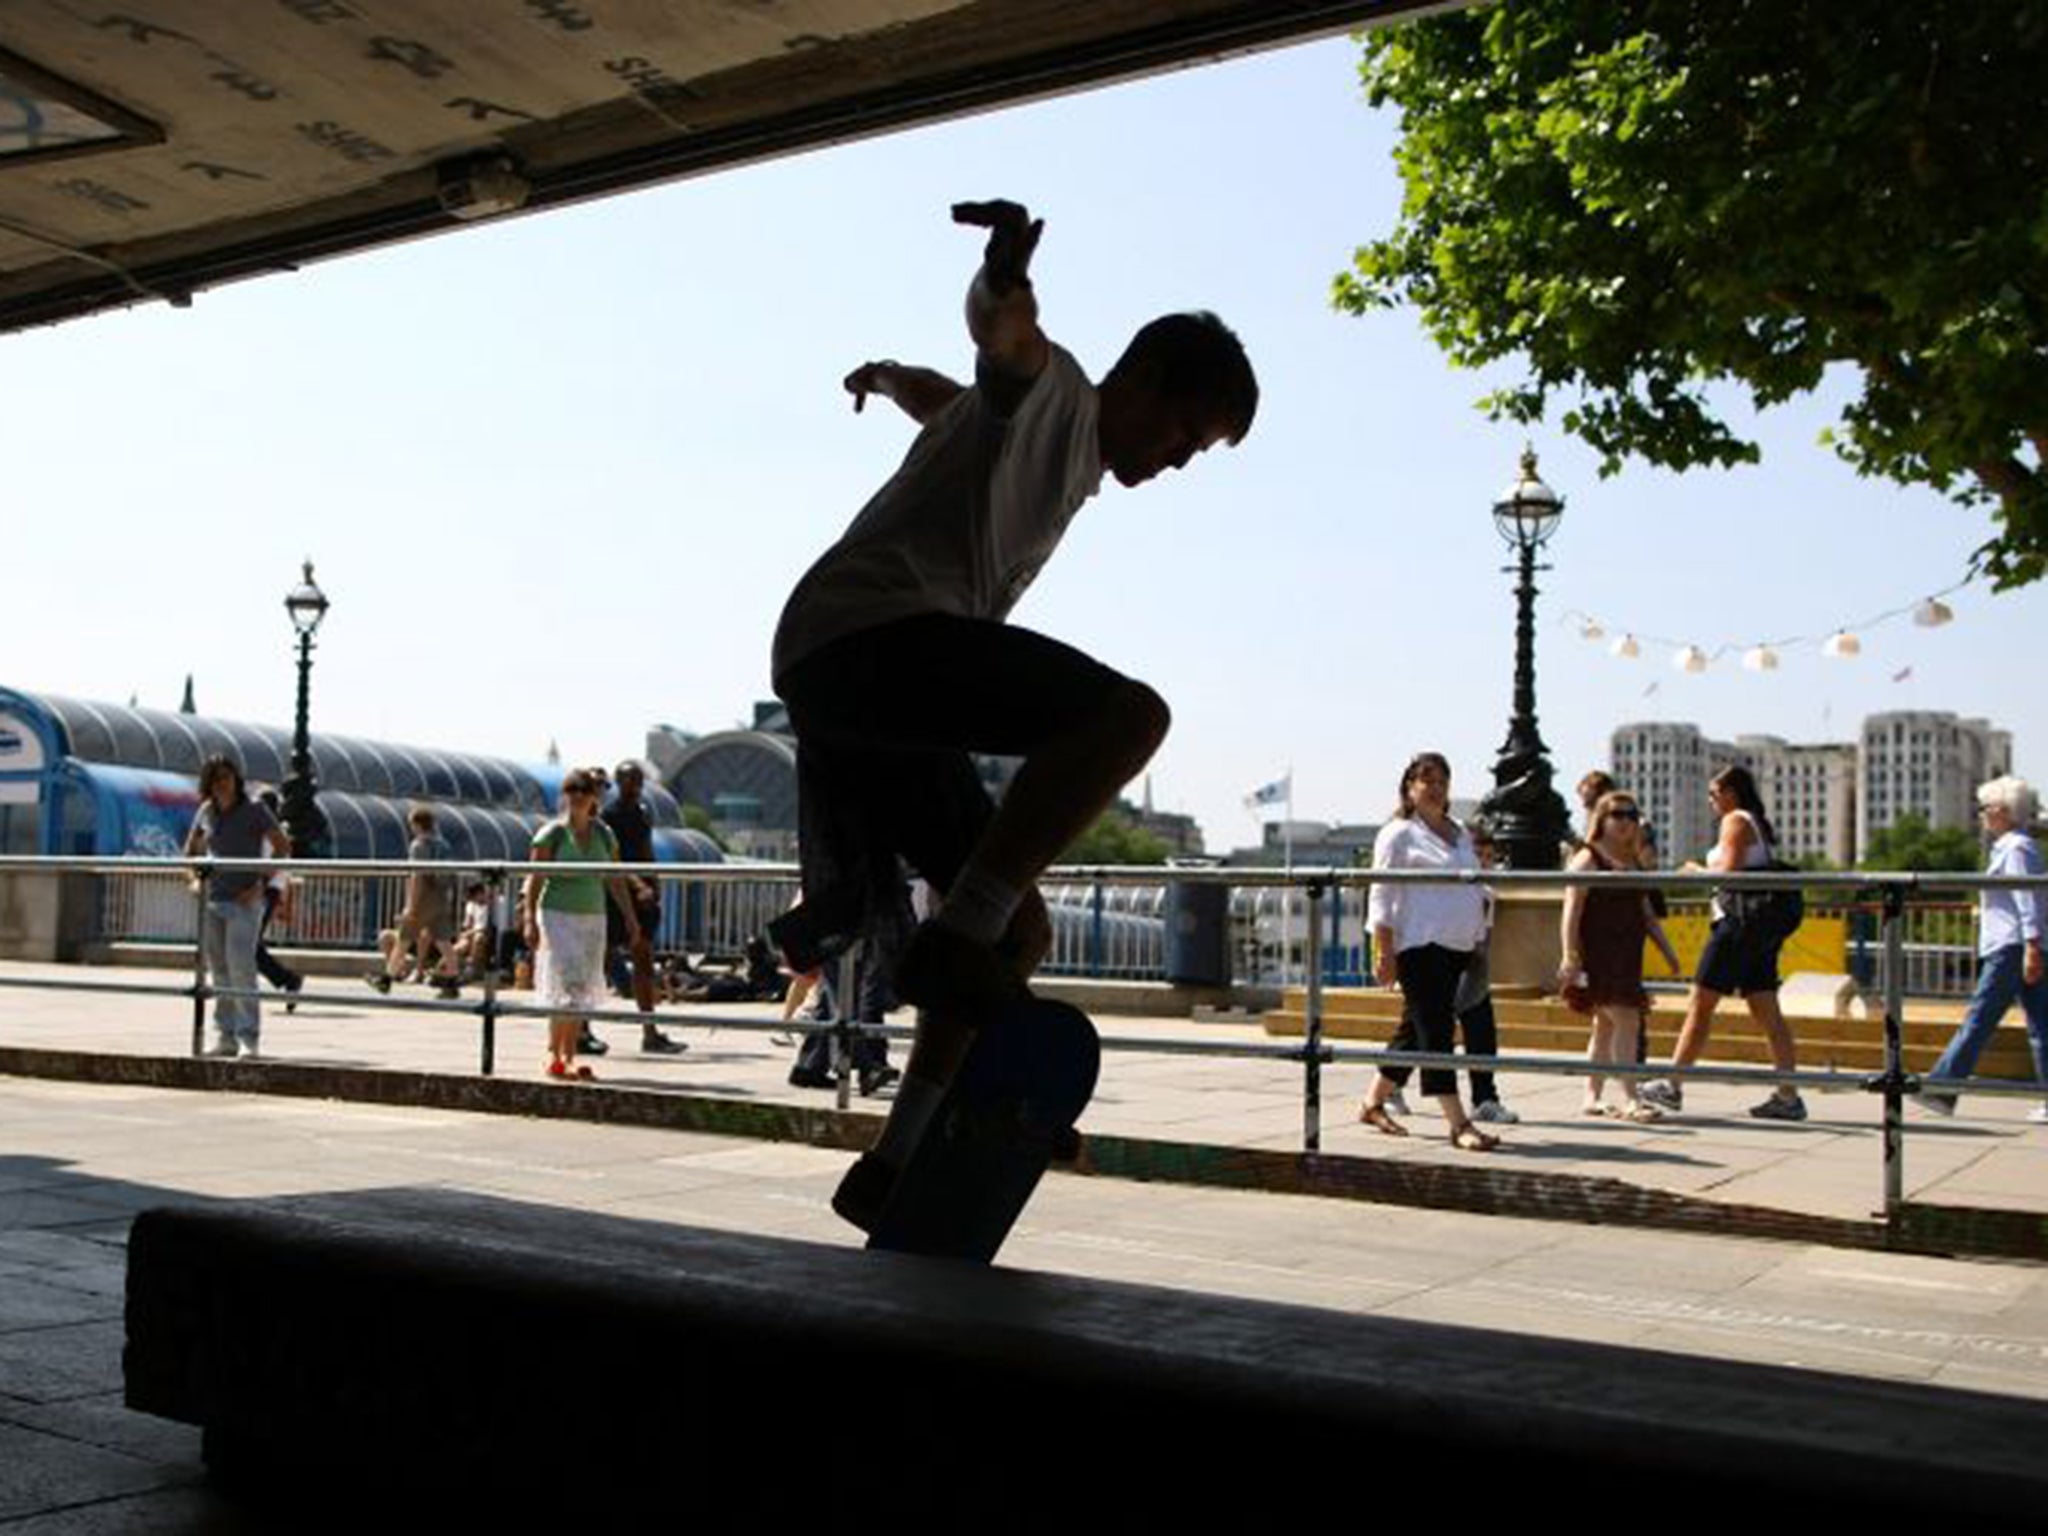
[563,918]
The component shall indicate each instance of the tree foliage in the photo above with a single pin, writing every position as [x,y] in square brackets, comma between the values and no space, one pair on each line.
[699,819]
[1113,840]
[1638,198]
[1910,843]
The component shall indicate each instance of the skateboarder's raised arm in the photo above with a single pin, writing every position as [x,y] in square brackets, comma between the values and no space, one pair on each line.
[920,393]
[1002,310]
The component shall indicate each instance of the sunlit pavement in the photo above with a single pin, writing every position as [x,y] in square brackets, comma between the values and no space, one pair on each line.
[1988,1156]
[77,1160]
[80,1159]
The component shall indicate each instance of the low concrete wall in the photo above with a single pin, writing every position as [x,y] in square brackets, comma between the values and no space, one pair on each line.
[391,1351]
[46,916]
[1523,950]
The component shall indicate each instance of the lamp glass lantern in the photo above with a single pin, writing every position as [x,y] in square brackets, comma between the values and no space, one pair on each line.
[1528,511]
[306,604]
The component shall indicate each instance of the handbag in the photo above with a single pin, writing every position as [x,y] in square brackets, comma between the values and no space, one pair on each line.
[1770,916]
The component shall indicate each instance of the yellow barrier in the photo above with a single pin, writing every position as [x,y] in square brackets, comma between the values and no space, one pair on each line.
[1818,944]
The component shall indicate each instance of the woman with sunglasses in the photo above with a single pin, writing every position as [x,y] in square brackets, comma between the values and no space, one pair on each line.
[1601,934]
[563,919]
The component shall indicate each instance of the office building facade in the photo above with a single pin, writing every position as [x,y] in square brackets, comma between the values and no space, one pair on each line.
[1927,763]
[1826,799]
[1665,764]
[1809,789]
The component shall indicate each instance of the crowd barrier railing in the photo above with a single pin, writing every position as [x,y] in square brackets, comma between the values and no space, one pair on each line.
[1887,894]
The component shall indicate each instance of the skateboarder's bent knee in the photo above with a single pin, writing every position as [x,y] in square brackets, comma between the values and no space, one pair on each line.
[1139,717]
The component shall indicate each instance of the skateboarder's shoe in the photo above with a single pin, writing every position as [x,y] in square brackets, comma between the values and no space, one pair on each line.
[948,972]
[864,1191]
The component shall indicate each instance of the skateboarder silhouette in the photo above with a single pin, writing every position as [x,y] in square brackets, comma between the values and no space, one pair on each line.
[896,664]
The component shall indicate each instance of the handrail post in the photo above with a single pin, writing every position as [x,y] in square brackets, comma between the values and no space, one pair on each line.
[199,879]
[1095,924]
[487,1047]
[1312,1039]
[843,1008]
[1894,1081]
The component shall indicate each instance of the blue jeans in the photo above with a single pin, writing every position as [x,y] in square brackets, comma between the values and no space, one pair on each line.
[1999,984]
[228,935]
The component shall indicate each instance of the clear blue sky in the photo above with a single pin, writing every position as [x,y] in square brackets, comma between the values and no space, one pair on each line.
[558,473]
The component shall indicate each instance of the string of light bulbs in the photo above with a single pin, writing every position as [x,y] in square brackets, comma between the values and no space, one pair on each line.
[1843,643]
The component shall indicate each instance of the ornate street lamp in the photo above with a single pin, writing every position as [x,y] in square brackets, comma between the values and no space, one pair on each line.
[1528,818]
[303,823]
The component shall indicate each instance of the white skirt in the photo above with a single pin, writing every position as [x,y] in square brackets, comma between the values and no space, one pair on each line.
[568,973]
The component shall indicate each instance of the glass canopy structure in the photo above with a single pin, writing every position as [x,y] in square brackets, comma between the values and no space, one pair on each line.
[84,777]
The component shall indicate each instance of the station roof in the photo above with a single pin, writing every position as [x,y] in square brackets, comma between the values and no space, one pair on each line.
[153,148]
[178,743]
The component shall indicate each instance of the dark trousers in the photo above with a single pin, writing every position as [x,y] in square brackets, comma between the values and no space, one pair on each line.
[1482,1038]
[272,969]
[1429,1019]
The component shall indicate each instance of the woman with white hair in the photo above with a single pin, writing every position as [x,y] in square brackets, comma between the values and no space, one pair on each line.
[2009,964]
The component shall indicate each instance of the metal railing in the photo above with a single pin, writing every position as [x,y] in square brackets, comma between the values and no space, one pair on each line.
[1113,931]
[1887,895]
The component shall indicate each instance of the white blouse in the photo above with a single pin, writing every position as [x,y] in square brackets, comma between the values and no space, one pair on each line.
[1453,916]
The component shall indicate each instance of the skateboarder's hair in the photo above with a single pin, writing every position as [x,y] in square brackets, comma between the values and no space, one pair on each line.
[1198,357]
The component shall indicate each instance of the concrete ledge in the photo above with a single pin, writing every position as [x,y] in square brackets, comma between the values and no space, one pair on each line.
[345,1351]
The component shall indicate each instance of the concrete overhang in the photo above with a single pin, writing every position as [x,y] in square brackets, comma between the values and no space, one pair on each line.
[153,148]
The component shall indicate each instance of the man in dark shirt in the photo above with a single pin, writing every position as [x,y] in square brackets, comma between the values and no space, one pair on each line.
[626,815]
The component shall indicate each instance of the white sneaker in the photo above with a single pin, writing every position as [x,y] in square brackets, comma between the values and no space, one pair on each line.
[1397,1104]
[1663,1093]
[2038,1115]
[222,1048]
[1493,1112]
[247,1050]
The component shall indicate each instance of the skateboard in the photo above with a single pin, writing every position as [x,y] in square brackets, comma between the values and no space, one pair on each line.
[1009,1112]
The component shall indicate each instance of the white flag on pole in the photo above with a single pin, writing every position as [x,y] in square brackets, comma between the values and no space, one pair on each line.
[1271,794]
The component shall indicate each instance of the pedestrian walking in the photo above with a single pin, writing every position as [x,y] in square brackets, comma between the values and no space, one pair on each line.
[633,959]
[1423,937]
[1600,967]
[1741,954]
[280,902]
[232,825]
[563,915]
[2009,964]
[1478,1029]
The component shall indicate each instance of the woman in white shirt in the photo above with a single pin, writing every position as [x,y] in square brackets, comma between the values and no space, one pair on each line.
[1737,958]
[1423,937]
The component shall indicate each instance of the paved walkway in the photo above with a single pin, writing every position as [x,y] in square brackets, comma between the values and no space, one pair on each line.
[1986,1157]
[79,1159]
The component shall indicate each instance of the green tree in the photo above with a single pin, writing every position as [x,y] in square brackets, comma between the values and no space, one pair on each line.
[1639,198]
[1113,840]
[1910,843]
[698,819]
